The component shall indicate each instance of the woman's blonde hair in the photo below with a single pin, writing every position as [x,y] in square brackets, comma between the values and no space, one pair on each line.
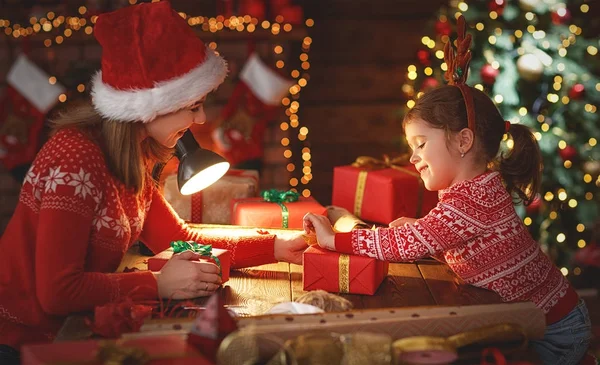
[128,156]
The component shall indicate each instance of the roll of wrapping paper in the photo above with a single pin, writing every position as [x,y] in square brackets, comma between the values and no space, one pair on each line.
[444,350]
[317,348]
[344,221]
[368,163]
[367,348]
[246,347]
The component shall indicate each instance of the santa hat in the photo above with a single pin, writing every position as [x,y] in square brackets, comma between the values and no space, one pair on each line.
[152,64]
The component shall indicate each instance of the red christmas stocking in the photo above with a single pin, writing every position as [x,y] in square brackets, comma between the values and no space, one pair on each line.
[28,98]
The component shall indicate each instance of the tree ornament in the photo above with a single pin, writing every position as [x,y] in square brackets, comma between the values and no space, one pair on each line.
[535,206]
[488,74]
[592,167]
[497,6]
[530,5]
[424,57]
[530,67]
[429,83]
[561,16]
[568,153]
[443,28]
[577,92]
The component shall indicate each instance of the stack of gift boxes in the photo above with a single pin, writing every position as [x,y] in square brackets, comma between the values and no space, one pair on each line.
[376,191]
[234,199]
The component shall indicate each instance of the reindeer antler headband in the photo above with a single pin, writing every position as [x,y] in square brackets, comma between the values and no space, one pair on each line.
[458,67]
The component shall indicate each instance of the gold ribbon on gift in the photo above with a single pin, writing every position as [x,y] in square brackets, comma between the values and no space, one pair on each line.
[344,273]
[368,163]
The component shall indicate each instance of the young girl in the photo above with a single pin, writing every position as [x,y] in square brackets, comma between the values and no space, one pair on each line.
[475,228]
[89,194]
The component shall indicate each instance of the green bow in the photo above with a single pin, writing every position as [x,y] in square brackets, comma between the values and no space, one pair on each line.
[203,250]
[280,196]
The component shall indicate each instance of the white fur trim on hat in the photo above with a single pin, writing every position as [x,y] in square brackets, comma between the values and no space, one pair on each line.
[165,97]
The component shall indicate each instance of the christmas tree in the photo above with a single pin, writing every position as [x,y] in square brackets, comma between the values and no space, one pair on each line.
[533,59]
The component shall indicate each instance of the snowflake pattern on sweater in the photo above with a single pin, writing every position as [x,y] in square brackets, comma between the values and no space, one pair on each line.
[477,231]
[69,232]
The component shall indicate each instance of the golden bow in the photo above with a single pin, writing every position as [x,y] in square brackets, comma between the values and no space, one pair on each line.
[372,163]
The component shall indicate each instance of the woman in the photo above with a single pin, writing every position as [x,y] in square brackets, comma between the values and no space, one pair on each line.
[89,195]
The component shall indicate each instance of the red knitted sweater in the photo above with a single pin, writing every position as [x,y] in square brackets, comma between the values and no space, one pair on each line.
[71,228]
[477,231]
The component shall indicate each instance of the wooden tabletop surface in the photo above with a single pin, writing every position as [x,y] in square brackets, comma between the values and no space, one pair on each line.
[425,282]
[254,290]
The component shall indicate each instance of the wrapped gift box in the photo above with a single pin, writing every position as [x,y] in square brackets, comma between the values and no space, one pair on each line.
[161,350]
[256,212]
[382,195]
[340,273]
[213,204]
[155,263]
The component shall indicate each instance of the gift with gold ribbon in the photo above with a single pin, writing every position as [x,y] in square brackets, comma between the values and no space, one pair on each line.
[275,209]
[212,205]
[220,257]
[381,190]
[163,350]
[340,273]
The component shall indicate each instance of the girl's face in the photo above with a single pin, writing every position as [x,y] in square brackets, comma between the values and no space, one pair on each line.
[437,160]
[167,129]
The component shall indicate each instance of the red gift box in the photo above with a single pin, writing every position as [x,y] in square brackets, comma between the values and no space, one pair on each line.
[339,273]
[256,212]
[161,350]
[213,204]
[382,195]
[156,262]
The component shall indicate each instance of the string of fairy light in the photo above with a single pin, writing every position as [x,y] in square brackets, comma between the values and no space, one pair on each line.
[552,97]
[67,26]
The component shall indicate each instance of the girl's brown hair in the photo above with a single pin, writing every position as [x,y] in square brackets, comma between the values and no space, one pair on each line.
[444,108]
[127,155]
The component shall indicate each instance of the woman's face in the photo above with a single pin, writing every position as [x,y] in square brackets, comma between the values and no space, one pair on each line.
[167,129]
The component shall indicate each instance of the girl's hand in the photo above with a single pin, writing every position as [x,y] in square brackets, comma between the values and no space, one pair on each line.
[289,248]
[321,227]
[402,221]
[182,278]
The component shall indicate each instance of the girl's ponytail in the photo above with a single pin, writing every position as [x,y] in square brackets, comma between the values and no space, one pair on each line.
[521,168]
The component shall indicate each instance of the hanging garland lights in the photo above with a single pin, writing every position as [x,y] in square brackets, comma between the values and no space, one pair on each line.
[67,26]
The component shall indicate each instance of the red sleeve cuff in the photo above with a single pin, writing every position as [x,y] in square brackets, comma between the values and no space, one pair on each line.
[139,285]
[343,242]
[254,251]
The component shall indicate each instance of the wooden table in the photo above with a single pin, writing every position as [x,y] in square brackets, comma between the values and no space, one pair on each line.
[426,282]
[253,291]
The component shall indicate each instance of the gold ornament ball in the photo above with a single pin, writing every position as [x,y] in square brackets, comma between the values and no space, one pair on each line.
[530,67]
[529,5]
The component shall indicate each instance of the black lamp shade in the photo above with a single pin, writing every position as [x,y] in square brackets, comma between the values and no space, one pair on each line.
[198,168]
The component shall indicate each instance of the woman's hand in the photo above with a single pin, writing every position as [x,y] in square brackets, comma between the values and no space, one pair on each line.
[289,247]
[182,278]
[321,227]
[402,221]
